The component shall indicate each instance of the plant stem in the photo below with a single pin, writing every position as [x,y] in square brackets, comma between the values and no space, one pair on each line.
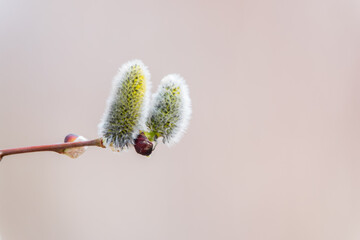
[59,148]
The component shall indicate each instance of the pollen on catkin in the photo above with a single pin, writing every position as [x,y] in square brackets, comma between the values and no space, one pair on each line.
[170,110]
[127,106]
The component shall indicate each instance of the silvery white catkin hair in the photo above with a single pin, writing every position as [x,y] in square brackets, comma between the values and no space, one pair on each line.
[171,109]
[127,106]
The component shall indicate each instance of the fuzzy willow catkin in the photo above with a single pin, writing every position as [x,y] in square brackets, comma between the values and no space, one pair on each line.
[127,107]
[170,110]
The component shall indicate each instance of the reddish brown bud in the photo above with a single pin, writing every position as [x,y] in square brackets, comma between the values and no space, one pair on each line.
[70,137]
[142,145]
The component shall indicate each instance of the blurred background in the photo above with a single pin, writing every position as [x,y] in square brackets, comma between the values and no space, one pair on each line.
[272,150]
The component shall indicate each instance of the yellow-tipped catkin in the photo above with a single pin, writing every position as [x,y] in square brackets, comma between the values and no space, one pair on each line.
[127,107]
[170,111]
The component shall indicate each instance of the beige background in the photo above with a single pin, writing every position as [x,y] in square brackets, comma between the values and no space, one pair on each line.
[272,151]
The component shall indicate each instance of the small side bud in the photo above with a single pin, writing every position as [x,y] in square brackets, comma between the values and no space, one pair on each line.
[142,145]
[77,151]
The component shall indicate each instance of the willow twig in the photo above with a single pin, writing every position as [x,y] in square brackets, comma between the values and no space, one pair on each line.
[59,148]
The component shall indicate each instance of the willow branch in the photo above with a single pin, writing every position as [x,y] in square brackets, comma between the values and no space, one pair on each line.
[59,148]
